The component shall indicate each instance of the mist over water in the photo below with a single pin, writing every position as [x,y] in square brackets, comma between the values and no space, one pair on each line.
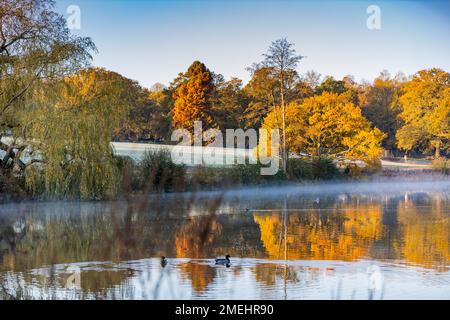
[361,240]
[371,187]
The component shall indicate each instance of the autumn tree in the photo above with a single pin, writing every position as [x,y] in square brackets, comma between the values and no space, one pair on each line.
[35,47]
[159,122]
[426,112]
[157,87]
[264,95]
[381,107]
[301,90]
[149,118]
[282,60]
[193,98]
[228,104]
[68,130]
[328,125]
[345,86]
[312,79]
[332,85]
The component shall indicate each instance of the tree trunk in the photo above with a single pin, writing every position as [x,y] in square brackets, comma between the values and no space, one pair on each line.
[437,153]
[283,110]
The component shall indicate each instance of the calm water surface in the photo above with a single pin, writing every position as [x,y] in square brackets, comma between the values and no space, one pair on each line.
[335,241]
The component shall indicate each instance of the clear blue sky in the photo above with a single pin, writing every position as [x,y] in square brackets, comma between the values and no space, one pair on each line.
[152,41]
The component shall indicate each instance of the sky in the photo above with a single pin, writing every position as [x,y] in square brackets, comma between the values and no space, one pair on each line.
[153,40]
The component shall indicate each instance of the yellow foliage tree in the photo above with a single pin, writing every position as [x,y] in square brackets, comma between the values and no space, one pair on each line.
[426,111]
[328,125]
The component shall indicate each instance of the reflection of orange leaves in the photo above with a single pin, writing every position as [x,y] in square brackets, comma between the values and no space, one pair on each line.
[344,236]
[201,275]
[364,224]
[194,236]
[265,273]
[270,228]
[425,236]
[350,234]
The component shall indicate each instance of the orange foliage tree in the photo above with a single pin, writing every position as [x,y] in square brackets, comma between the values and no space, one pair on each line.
[192,98]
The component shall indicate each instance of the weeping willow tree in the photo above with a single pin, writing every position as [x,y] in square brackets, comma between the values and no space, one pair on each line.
[36,47]
[55,120]
[68,127]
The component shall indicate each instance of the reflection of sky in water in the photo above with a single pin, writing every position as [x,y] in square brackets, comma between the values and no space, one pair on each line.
[313,280]
[335,232]
[305,280]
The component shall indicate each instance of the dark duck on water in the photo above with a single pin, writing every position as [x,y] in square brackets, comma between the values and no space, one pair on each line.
[225,261]
[163,261]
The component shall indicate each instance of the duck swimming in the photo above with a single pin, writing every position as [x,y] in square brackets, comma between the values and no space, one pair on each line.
[225,261]
[163,261]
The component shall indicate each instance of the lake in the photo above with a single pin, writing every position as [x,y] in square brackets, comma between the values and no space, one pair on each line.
[374,240]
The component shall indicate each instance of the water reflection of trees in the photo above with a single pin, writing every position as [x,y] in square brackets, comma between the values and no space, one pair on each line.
[414,228]
[218,235]
[200,275]
[426,233]
[343,235]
